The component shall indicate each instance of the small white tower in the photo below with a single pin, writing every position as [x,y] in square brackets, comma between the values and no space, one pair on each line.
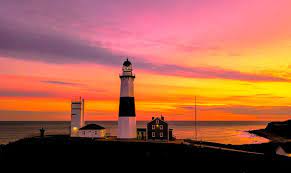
[126,118]
[77,116]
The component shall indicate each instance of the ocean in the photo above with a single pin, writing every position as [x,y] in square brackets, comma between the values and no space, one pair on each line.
[227,132]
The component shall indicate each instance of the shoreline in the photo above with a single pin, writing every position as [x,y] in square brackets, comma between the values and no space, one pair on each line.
[273,137]
[279,131]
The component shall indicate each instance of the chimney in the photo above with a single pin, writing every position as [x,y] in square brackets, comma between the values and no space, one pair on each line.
[153,118]
[162,118]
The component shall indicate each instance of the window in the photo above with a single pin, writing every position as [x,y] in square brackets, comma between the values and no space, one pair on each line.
[153,134]
[153,127]
[161,134]
[157,121]
[161,127]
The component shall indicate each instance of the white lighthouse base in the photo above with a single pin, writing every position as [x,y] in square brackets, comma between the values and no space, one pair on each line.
[126,128]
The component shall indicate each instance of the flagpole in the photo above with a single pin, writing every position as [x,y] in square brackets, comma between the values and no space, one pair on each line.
[195,120]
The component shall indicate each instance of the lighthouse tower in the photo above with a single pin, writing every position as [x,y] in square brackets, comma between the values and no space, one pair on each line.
[77,116]
[126,118]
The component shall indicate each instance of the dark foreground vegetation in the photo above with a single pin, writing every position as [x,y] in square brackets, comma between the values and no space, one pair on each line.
[62,151]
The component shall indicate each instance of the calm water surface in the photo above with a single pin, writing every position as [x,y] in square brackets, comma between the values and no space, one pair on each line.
[231,132]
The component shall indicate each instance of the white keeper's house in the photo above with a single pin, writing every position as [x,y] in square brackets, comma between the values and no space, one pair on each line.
[92,131]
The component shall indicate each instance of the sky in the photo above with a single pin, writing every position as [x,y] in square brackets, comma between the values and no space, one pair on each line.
[234,56]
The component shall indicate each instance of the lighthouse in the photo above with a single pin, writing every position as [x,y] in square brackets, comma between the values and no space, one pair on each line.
[77,116]
[126,117]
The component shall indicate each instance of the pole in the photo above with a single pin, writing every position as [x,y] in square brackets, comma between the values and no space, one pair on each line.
[195,119]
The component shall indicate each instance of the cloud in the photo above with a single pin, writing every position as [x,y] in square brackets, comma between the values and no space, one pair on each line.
[60,82]
[210,73]
[10,93]
[257,110]
[25,115]
[254,96]
[47,46]
[247,110]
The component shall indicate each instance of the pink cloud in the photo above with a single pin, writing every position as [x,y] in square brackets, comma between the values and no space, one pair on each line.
[213,73]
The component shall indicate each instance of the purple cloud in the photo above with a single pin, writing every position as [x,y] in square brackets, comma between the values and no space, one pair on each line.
[55,48]
[26,33]
[23,43]
[211,72]
[24,115]
[247,110]
[10,93]
[61,83]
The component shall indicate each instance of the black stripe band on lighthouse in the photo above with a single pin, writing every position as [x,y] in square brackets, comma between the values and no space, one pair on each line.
[126,118]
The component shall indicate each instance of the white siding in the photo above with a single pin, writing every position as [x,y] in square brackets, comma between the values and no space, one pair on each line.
[92,133]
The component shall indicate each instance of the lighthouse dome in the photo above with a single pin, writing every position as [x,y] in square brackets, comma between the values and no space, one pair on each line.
[127,63]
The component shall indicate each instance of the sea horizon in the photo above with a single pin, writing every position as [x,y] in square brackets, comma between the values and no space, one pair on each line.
[136,121]
[226,132]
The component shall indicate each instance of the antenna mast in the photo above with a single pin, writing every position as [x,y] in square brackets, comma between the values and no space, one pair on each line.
[195,120]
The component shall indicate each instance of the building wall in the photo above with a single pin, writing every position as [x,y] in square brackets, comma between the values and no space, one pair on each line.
[92,133]
[157,130]
[77,117]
